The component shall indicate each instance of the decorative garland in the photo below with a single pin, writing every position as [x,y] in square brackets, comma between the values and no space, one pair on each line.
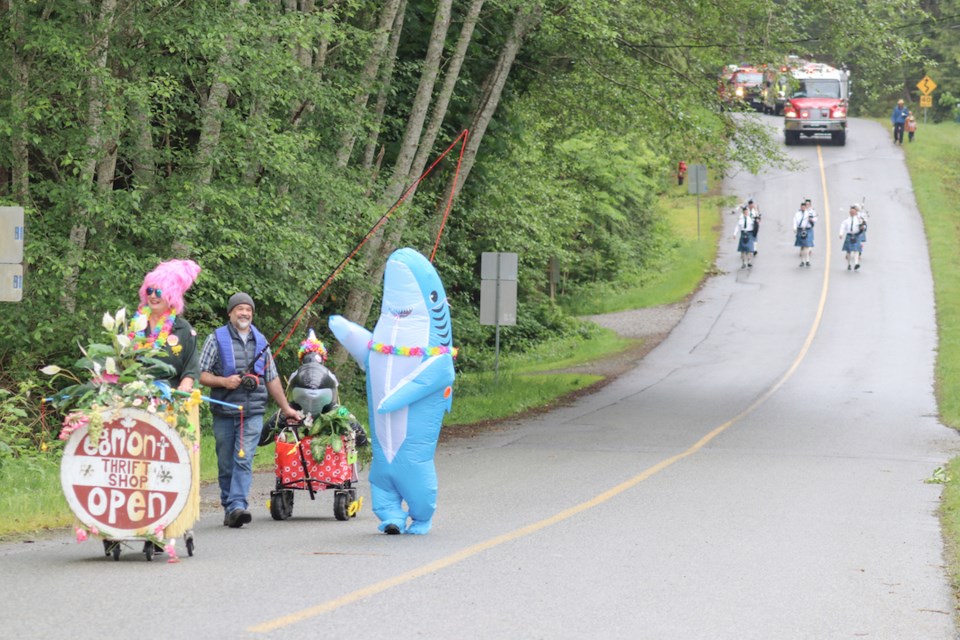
[394,350]
[158,337]
[311,344]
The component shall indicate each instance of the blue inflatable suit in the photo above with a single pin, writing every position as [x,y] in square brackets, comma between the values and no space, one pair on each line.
[408,360]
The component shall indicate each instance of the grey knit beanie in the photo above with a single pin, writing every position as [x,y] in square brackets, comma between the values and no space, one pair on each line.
[240,298]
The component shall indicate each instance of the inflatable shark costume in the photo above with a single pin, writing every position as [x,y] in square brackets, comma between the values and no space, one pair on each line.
[408,360]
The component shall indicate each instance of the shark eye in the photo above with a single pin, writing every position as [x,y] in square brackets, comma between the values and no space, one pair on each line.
[433,296]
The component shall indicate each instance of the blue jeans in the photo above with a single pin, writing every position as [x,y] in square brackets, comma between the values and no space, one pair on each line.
[236,473]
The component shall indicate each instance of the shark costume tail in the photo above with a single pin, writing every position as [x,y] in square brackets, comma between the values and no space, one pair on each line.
[408,360]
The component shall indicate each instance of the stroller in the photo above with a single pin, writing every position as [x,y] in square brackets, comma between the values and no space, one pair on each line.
[319,452]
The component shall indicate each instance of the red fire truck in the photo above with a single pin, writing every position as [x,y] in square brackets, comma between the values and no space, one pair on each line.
[816,103]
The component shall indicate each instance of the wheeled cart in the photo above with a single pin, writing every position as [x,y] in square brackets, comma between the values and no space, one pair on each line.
[297,469]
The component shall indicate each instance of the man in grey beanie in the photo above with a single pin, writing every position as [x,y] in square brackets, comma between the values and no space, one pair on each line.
[236,364]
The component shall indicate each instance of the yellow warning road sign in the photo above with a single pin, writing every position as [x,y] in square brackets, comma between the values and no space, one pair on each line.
[927,85]
[926,101]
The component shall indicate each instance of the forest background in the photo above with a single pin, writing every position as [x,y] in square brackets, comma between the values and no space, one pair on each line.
[264,139]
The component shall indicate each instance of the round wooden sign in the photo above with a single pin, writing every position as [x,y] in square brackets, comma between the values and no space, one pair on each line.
[134,482]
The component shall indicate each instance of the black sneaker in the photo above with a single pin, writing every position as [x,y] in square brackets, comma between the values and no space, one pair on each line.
[750,264]
[391,529]
[856,268]
[808,264]
[238,517]
[849,267]
[801,263]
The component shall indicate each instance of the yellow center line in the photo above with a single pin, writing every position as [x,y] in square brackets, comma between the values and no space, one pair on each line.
[468,552]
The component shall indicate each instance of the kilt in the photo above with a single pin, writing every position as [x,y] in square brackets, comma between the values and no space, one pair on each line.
[804,242]
[747,242]
[853,242]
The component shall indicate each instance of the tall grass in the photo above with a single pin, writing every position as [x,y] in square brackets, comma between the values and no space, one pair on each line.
[934,163]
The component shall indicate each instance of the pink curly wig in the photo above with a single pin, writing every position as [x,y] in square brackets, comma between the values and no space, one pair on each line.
[173,277]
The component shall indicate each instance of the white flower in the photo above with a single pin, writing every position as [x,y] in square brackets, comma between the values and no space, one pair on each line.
[121,316]
[50,370]
[140,323]
[123,340]
[107,322]
[110,365]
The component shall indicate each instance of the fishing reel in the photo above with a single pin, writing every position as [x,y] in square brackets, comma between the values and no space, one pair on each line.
[249,381]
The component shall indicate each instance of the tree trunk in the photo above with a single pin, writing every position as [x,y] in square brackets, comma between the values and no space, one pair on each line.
[349,135]
[323,47]
[211,119]
[20,169]
[385,75]
[524,22]
[446,91]
[360,300]
[93,148]
[143,155]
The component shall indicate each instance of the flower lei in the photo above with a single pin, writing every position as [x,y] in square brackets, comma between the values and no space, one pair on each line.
[394,350]
[158,336]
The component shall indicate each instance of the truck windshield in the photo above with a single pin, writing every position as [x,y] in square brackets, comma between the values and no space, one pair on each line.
[749,78]
[818,89]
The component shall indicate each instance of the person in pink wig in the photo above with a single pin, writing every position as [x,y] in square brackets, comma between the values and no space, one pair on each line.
[158,322]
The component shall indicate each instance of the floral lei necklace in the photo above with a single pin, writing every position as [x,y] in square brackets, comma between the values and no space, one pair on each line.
[394,350]
[158,337]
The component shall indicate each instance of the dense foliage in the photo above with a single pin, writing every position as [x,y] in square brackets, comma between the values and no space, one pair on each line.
[263,139]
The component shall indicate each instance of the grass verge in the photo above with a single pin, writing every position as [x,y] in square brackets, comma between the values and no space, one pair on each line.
[934,163]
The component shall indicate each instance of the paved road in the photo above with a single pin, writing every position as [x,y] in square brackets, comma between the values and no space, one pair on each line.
[759,475]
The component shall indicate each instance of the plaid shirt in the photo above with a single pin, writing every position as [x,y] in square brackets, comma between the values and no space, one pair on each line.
[210,357]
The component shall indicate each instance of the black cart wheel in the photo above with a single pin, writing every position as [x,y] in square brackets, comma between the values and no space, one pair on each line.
[106,548]
[148,550]
[116,551]
[281,504]
[189,543]
[341,502]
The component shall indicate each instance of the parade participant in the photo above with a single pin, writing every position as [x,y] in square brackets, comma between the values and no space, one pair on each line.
[237,365]
[899,119]
[851,232]
[159,323]
[746,242]
[803,223]
[754,210]
[681,172]
[408,360]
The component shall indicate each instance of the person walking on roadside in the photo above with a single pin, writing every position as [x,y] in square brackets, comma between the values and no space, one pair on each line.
[852,231]
[745,240]
[236,364]
[911,126]
[803,221]
[899,120]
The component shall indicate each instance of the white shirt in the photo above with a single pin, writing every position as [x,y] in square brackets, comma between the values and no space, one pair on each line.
[744,225]
[803,219]
[850,225]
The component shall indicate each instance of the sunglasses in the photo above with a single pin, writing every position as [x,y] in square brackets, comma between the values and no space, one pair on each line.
[152,290]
